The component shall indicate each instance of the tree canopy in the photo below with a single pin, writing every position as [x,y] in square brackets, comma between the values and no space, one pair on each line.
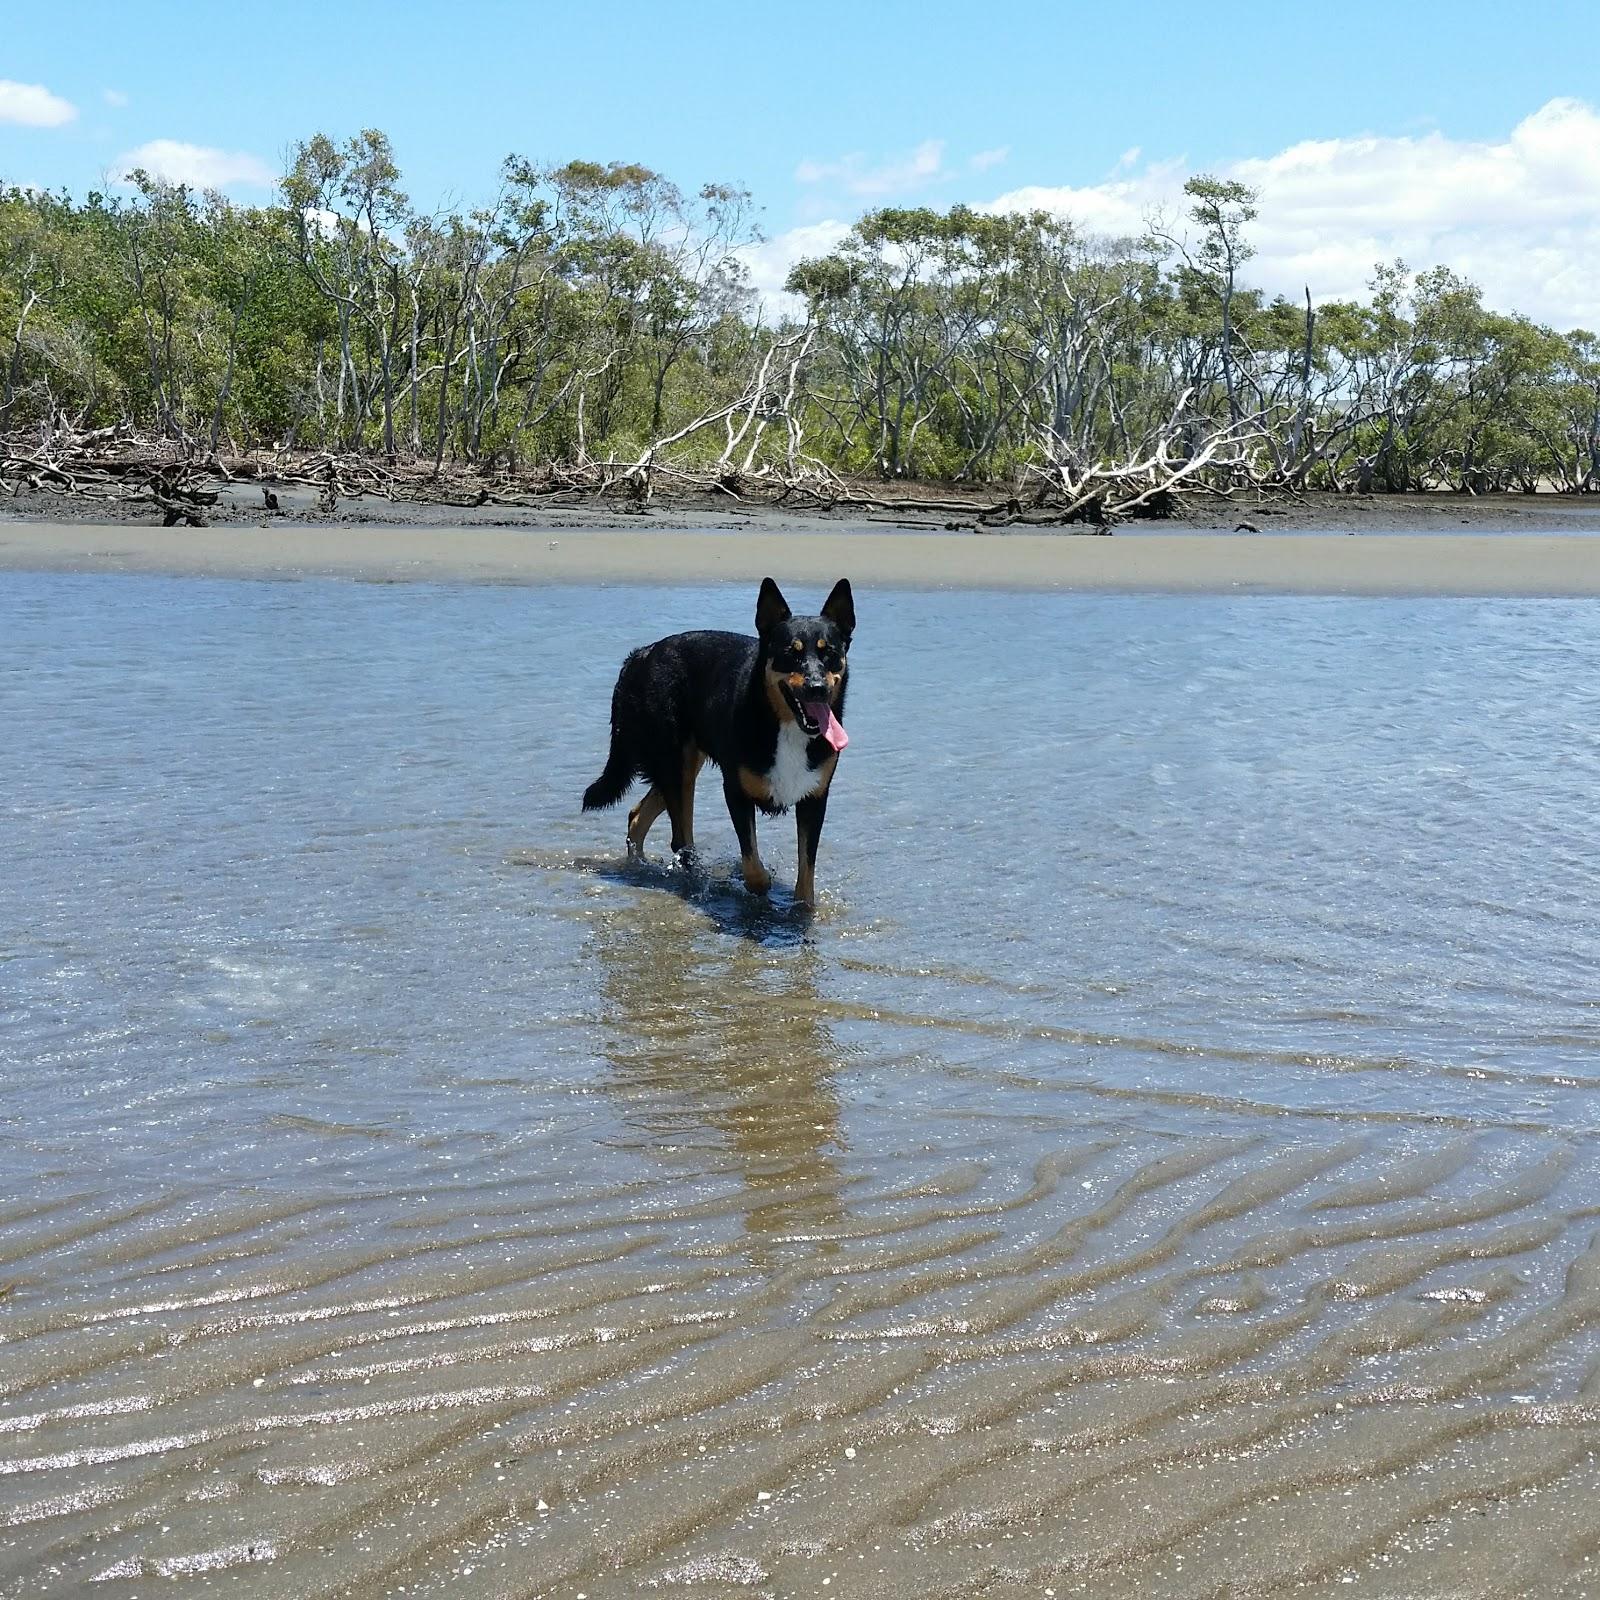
[596,309]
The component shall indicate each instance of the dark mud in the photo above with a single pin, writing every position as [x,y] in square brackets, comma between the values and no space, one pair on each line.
[241,506]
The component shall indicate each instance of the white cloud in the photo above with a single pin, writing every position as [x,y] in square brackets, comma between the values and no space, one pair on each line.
[852,173]
[769,262]
[114,97]
[985,159]
[323,221]
[31,105]
[1520,216]
[1120,207]
[197,166]
[327,223]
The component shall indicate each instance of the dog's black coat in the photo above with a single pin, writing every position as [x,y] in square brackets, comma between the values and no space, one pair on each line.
[726,698]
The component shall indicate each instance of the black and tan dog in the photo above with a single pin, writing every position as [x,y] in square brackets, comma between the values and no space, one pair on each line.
[765,710]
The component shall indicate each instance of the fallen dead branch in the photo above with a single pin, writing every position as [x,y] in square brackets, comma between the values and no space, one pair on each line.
[119,465]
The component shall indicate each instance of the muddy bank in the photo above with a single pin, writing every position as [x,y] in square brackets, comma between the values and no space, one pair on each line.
[241,505]
[1392,564]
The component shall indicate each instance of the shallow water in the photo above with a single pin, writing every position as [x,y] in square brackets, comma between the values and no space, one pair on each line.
[1166,1165]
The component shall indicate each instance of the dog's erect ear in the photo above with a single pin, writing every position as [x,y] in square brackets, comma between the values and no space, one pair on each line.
[771,607]
[840,609]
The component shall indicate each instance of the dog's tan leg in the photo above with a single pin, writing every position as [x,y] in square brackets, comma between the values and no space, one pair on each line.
[808,817]
[683,820]
[642,818]
[756,877]
[805,879]
[742,808]
[680,800]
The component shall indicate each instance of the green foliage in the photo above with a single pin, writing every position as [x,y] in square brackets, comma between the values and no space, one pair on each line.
[596,308]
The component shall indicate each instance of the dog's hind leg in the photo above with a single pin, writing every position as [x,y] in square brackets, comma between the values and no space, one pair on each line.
[677,796]
[642,818]
[671,790]
[683,816]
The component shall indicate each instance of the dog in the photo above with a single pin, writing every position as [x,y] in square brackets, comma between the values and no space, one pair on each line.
[767,711]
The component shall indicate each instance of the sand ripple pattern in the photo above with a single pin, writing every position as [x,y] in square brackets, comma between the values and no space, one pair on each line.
[1205,1364]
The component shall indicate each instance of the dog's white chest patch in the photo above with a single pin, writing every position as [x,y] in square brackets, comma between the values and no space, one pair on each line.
[791,778]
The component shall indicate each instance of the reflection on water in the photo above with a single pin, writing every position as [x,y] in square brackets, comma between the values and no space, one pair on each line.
[1165,1165]
[712,1026]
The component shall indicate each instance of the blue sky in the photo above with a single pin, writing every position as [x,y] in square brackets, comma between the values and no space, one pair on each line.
[821,109]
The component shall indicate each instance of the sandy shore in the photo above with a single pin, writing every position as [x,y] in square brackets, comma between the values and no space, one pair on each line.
[1373,564]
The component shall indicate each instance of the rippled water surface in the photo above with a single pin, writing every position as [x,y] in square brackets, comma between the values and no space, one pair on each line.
[1165,1166]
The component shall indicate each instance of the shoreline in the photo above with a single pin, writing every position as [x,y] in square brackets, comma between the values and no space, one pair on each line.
[1379,564]
[913,505]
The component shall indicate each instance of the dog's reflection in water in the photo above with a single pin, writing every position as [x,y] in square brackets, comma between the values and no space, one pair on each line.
[720,1054]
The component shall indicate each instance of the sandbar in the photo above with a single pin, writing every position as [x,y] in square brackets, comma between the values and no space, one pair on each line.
[1221,563]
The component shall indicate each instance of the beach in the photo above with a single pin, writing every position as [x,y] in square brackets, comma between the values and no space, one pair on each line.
[798,550]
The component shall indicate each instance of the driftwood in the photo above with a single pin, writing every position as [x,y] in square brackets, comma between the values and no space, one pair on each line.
[176,511]
[121,466]
[1158,507]
[176,483]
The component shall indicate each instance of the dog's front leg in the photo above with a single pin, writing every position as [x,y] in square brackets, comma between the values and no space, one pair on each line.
[743,811]
[808,816]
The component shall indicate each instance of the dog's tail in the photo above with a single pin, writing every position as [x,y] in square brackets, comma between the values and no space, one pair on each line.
[612,784]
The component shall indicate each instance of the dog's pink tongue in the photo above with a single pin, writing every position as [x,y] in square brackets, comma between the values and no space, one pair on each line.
[829,727]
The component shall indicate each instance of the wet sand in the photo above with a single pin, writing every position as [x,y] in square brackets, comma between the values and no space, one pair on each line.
[1131,1366]
[1376,564]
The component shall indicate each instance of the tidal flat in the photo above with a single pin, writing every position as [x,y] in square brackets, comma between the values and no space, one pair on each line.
[1168,1163]
[1556,557]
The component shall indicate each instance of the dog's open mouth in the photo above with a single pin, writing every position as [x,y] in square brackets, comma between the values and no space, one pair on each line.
[817,720]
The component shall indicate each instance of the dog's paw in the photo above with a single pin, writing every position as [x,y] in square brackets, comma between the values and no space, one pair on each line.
[756,877]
